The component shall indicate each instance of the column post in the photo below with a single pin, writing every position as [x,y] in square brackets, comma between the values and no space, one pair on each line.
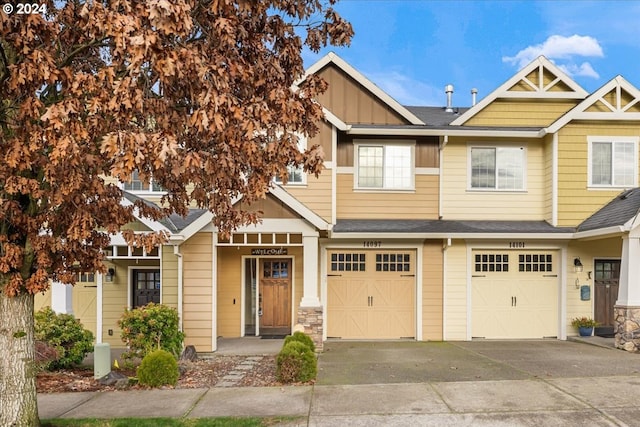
[310,314]
[627,307]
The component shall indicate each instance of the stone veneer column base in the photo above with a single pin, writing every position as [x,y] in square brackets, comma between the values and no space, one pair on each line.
[311,319]
[627,327]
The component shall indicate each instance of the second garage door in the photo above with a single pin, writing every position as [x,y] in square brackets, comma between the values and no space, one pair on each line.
[514,294]
[371,294]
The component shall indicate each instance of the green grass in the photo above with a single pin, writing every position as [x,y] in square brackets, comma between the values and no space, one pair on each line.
[168,422]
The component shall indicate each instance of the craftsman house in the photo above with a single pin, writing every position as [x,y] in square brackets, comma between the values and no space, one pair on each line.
[502,220]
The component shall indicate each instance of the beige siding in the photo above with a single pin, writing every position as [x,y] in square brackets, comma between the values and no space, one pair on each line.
[352,103]
[316,195]
[588,251]
[432,291]
[115,298]
[520,113]
[456,292]
[230,287]
[197,273]
[492,205]
[575,201]
[421,203]
[169,274]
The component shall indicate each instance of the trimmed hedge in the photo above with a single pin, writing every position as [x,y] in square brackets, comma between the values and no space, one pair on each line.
[158,368]
[296,362]
[300,337]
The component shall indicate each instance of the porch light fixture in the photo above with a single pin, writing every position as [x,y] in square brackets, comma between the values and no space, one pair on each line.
[111,271]
[577,265]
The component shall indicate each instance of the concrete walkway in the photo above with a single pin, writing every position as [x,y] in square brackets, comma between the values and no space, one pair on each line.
[483,383]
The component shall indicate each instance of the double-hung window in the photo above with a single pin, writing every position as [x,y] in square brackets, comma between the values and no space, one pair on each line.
[497,168]
[384,166]
[613,161]
[296,173]
[135,185]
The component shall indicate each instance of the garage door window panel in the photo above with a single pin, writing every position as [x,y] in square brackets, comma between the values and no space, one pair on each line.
[491,263]
[393,262]
[348,262]
[534,263]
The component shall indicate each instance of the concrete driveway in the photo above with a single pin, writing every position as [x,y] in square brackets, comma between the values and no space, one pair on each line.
[387,362]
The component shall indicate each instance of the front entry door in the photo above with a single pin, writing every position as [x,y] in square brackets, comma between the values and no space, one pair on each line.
[275,297]
[606,281]
[146,287]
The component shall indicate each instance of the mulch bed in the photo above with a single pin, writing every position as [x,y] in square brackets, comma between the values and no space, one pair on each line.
[202,373]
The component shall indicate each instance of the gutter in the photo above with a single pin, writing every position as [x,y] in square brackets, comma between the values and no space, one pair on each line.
[176,252]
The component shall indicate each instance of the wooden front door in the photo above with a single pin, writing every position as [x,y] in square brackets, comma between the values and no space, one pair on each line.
[146,287]
[606,281]
[275,296]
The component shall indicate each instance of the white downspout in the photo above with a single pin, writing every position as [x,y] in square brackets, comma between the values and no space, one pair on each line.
[440,163]
[446,246]
[176,252]
[554,180]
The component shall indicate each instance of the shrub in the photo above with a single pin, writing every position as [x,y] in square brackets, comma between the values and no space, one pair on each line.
[71,341]
[301,337]
[151,327]
[158,368]
[296,363]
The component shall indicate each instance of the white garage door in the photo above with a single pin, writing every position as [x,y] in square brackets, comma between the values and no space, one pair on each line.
[371,294]
[514,294]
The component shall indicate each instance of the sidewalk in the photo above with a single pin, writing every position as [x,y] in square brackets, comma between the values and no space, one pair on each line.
[603,396]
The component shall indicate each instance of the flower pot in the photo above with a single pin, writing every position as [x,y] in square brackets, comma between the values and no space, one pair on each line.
[585,331]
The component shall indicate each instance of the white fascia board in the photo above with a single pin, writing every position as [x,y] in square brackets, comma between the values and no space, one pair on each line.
[360,78]
[152,224]
[503,90]
[600,232]
[335,121]
[579,111]
[495,133]
[196,226]
[279,225]
[485,236]
[299,207]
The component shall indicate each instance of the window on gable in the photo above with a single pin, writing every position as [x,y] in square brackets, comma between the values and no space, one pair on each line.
[498,168]
[385,166]
[296,174]
[613,162]
[137,185]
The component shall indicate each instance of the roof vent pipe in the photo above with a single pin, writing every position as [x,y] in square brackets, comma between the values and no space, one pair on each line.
[448,89]
[474,92]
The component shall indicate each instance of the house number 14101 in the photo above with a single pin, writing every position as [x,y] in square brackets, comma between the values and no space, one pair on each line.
[516,245]
[372,244]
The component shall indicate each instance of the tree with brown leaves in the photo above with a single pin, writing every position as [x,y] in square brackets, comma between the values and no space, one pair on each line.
[199,94]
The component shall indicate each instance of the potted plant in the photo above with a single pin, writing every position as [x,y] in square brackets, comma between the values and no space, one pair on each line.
[585,325]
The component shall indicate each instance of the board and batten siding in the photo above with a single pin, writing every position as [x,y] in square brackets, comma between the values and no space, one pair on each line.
[456,292]
[352,103]
[576,201]
[432,291]
[460,203]
[521,113]
[381,204]
[197,276]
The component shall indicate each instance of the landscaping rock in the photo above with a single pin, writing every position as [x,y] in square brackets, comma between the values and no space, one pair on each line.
[114,378]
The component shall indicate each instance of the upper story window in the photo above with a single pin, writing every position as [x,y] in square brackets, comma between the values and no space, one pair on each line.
[384,166]
[613,161]
[137,185]
[296,173]
[497,168]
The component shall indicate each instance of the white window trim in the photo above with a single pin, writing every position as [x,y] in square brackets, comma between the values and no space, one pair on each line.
[498,190]
[149,192]
[382,143]
[302,145]
[611,139]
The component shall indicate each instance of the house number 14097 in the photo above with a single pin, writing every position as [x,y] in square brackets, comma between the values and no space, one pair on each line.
[372,243]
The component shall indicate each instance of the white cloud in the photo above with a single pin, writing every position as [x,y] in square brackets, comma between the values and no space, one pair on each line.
[562,48]
[584,70]
[406,90]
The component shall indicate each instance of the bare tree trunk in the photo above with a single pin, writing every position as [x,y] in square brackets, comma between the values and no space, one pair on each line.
[18,398]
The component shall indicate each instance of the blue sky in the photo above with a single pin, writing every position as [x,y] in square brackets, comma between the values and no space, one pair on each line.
[412,49]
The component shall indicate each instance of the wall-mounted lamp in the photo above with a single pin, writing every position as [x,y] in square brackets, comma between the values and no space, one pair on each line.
[111,271]
[577,265]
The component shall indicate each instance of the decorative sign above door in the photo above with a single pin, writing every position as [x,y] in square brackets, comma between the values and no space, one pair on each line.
[269,251]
